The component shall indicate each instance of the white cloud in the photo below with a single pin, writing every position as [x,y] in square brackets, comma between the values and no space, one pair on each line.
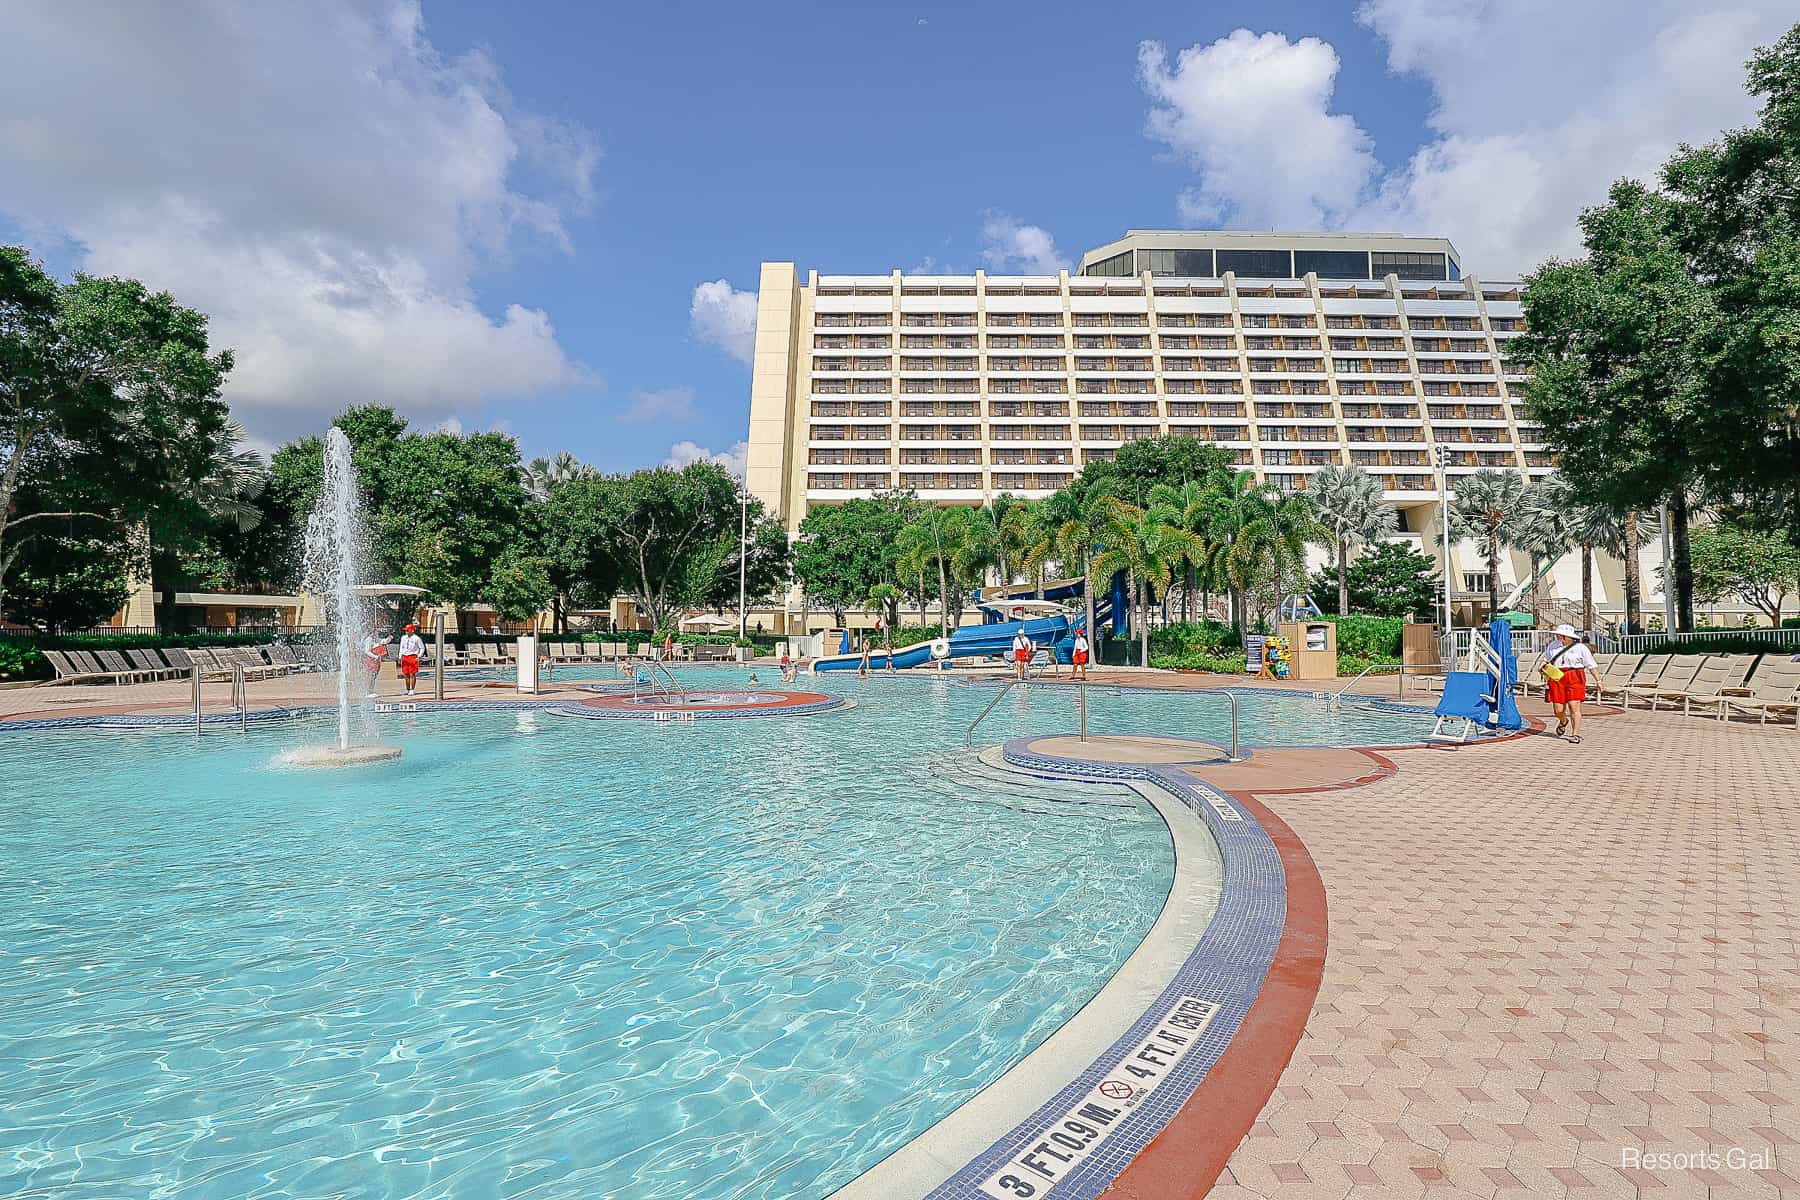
[1011,246]
[683,453]
[726,317]
[1538,107]
[451,425]
[323,182]
[669,404]
[1566,98]
[1251,114]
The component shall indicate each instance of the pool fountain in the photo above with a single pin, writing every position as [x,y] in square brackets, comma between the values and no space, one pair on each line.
[333,568]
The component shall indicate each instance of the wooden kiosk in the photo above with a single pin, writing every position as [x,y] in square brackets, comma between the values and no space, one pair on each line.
[1312,646]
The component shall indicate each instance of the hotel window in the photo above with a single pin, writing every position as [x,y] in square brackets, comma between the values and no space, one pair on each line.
[1045,320]
[1258,321]
[1409,265]
[1257,264]
[1118,266]
[1332,264]
[867,387]
[1194,264]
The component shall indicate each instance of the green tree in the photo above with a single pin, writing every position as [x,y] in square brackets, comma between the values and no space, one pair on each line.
[1347,504]
[1736,216]
[1616,382]
[520,586]
[1148,545]
[1257,535]
[442,509]
[940,538]
[1066,530]
[1167,461]
[1758,567]
[1488,509]
[659,523]
[845,549]
[1392,580]
[63,582]
[109,404]
[1542,533]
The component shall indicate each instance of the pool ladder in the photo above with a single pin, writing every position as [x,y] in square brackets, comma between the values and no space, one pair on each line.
[240,699]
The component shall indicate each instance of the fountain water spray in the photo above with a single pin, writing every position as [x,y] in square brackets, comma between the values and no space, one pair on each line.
[333,569]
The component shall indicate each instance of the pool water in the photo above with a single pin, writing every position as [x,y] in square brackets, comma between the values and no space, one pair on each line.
[546,957]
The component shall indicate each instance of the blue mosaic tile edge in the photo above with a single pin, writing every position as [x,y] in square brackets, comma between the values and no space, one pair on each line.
[1227,965]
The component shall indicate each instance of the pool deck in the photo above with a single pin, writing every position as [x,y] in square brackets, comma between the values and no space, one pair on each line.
[1540,960]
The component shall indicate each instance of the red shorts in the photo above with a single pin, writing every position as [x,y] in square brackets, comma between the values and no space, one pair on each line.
[1571,687]
[1080,658]
[1021,656]
[409,665]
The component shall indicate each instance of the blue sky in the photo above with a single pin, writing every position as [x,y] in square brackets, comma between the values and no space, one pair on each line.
[499,216]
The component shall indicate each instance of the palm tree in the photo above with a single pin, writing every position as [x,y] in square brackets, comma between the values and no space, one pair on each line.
[1488,509]
[1146,544]
[1598,527]
[541,475]
[1256,533]
[1192,504]
[1065,528]
[1347,503]
[942,538]
[1542,532]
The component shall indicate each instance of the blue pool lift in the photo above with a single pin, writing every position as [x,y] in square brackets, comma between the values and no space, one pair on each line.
[1480,697]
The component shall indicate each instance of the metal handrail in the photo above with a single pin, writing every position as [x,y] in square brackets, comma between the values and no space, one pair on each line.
[1232,697]
[240,683]
[196,699]
[1008,686]
[1360,675]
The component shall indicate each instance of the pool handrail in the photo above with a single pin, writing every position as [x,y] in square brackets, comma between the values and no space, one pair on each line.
[1333,699]
[1006,687]
[1232,697]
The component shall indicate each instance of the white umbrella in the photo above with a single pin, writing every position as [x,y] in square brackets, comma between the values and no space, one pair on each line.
[710,621]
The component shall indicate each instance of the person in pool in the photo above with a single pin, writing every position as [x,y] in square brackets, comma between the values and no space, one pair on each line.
[412,649]
[1565,663]
[862,664]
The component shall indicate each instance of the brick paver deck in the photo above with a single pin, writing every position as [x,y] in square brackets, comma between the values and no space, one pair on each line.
[1542,955]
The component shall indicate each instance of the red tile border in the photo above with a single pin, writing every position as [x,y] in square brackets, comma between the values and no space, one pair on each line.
[1182,1162]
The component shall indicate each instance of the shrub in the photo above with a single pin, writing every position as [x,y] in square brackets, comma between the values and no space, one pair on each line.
[1193,637]
[1223,664]
[1368,637]
[21,660]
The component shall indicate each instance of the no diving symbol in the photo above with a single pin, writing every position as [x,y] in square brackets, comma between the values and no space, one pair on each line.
[1114,1089]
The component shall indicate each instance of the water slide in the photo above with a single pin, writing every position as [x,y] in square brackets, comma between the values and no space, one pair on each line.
[968,641]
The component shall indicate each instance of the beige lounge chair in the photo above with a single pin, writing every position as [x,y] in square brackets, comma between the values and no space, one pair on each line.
[1719,674]
[1646,674]
[1676,677]
[1773,689]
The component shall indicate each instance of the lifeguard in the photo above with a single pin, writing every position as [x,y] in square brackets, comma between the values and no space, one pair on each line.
[1565,664]
[412,649]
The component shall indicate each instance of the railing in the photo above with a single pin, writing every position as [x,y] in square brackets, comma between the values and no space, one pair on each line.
[1525,642]
[1008,686]
[1360,675]
[1638,643]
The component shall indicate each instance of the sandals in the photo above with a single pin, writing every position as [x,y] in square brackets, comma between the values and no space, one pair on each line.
[1562,727]
[1574,739]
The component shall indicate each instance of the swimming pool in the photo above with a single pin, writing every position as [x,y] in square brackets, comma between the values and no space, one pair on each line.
[546,957]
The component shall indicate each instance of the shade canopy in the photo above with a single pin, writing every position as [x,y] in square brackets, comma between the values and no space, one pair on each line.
[711,621]
[387,589]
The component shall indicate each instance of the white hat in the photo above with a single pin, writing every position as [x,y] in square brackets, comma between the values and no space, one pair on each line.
[1567,631]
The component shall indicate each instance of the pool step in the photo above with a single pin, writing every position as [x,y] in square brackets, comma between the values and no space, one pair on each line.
[987,774]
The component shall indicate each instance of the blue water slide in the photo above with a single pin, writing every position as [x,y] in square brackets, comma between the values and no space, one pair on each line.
[968,641]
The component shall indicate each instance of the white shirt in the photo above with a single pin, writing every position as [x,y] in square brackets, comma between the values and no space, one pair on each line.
[1021,642]
[413,644]
[1081,642]
[1576,657]
[369,644]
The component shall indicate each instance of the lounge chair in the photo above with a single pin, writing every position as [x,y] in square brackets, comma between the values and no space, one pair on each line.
[1646,674]
[1676,677]
[149,660]
[71,672]
[1614,673]
[1774,688]
[1720,673]
[85,660]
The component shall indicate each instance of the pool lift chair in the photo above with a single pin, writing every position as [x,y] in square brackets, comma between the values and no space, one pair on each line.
[1479,699]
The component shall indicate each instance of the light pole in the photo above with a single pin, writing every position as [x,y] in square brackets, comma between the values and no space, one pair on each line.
[743,552]
[1437,458]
